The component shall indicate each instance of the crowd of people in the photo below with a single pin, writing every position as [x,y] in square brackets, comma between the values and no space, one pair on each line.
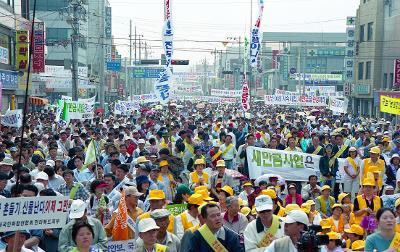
[195,156]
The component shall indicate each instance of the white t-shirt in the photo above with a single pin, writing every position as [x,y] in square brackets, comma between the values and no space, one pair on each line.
[350,168]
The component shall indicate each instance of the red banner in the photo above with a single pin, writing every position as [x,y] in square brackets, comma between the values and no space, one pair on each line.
[38,48]
[245,95]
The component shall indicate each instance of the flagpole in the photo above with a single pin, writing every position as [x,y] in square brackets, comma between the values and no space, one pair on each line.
[95,154]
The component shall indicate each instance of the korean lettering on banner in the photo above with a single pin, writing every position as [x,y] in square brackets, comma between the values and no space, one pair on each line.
[226,93]
[396,79]
[107,23]
[33,213]
[22,49]
[337,105]
[4,55]
[80,110]
[390,105]
[163,84]
[255,44]
[295,100]
[177,209]
[121,246]
[349,55]
[290,165]
[245,95]
[9,79]
[12,118]
[38,48]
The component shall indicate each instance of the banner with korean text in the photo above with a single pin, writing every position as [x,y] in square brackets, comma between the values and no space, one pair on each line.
[33,213]
[226,93]
[255,44]
[121,246]
[396,79]
[296,100]
[77,110]
[337,105]
[22,50]
[125,107]
[177,209]
[162,86]
[12,118]
[39,43]
[390,105]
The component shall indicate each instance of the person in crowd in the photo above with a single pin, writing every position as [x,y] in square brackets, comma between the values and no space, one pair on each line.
[74,190]
[267,227]
[167,179]
[351,173]
[324,202]
[328,166]
[182,195]
[232,218]
[220,179]
[189,218]
[312,190]
[15,240]
[198,177]
[212,235]
[293,197]
[247,190]
[367,203]
[99,204]
[78,213]
[148,231]
[353,234]
[295,223]
[335,243]
[386,239]
[82,235]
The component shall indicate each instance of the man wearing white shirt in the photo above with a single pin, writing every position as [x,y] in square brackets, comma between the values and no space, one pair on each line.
[229,152]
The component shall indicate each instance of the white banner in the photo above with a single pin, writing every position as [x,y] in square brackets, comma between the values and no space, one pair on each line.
[285,92]
[44,212]
[255,44]
[295,100]
[144,98]
[78,110]
[12,118]
[121,246]
[163,84]
[226,93]
[208,99]
[338,106]
[125,107]
[296,166]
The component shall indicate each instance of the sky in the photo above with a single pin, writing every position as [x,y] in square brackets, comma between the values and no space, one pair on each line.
[201,26]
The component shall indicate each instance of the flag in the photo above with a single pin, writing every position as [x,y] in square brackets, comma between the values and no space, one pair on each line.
[90,155]
[64,115]
[120,229]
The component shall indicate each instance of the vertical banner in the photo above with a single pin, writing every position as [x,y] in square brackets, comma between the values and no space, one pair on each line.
[349,55]
[245,86]
[396,79]
[255,36]
[22,50]
[107,23]
[38,48]
[162,86]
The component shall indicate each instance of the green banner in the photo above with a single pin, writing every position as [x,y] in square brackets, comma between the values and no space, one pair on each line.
[177,209]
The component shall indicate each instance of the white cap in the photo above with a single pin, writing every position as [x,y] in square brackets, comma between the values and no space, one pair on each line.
[216,144]
[296,216]
[42,175]
[50,163]
[147,225]
[141,141]
[77,210]
[264,202]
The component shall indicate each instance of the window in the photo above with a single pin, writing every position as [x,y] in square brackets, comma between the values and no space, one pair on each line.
[368,70]
[391,81]
[49,5]
[57,34]
[362,28]
[370,33]
[361,70]
[385,80]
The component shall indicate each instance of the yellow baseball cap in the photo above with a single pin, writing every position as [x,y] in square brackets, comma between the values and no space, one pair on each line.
[254,211]
[325,224]
[220,163]
[397,203]
[355,229]
[270,192]
[248,183]
[163,163]
[375,150]
[305,208]
[291,207]
[227,189]
[358,245]
[200,188]
[196,199]
[342,196]
[156,195]
[245,211]
[310,202]
[141,160]
[205,194]
[337,205]
[368,182]
[326,187]
[333,236]
[199,161]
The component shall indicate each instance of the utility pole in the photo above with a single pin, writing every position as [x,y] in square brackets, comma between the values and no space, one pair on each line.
[76,12]
[139,88]
[102,78]
[205,89]
[135,80]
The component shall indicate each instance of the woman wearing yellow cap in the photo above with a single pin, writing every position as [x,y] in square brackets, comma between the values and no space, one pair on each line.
[198,177]
[372,161]
[335,242]
[167,179]
[336,220]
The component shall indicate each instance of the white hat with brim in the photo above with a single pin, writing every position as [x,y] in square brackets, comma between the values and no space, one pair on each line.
[296,216]
[147,225]
[264,202]
[77,210]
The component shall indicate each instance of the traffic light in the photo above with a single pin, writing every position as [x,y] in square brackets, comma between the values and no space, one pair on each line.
[179,62]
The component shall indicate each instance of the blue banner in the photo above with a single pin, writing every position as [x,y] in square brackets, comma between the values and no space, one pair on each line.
[114,66]
[9,79]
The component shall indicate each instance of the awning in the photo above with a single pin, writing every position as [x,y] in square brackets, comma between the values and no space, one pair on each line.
[37,101]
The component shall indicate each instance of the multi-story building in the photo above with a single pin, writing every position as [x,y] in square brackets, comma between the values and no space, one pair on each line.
[293,59]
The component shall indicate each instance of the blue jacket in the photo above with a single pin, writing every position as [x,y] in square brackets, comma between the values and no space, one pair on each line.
[231,242]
